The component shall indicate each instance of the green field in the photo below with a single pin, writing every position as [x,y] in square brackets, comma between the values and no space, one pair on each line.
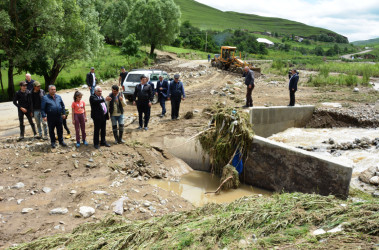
[206,17]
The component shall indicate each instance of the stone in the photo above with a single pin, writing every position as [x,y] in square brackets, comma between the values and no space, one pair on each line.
[100,192]
[336,229]
[202,73]
[46,190]
[318,232]
[73,192]
[47,170]
[366,175]
[142,210]
[59,210]
[90,160]
[213,92]
[147,203]
[375,194]
[118,206]
[18,185]
[1,188]
[374,180]
[19,201]
[76,164]
[356,90]
[84,86]
[86,211]
[26,210]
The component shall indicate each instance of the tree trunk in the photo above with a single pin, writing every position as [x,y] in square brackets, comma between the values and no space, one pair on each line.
[52,75]
[1,79]
[152,48]
[11,89]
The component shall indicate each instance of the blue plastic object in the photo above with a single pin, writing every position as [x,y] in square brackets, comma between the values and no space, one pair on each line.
[237,162]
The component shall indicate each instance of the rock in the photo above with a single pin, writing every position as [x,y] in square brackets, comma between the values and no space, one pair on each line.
[118,206]
[47,170]
[18,185]
[1,188]
[59,210]
[100,192]
[318,232]
[188,115]
[90,160]
[76,164]
[142,210]
[238,84]
[375,194]
[147,203]
[356,90]
[26,210]
[336,229]
[366,175]
[202,73]
[374,180]
[73,192]
[19,201]
[84,86]
[213,92]
[86,211]
[331,141]
[46,190]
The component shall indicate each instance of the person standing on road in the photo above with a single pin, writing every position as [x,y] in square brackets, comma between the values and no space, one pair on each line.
[176,94]
[162,88]
[91,80]
[99,115]
[79,118]
[116,110]
[23,101]
[37,95]
[122,77]
[53,111]
[293,86]
[143,97]
[209,57]
[29,81]
[249,82]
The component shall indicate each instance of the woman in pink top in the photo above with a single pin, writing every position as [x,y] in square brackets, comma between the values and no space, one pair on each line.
[79,117]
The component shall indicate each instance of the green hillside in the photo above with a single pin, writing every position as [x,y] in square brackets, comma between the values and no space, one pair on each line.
[206,17]
[371,42]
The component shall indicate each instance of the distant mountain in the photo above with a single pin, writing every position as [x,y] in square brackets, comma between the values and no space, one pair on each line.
[366,42]
[206,17]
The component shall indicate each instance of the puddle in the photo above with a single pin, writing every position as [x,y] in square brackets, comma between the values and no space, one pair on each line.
[193,186]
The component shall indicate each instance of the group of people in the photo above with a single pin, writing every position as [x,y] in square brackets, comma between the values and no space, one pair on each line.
[49,109]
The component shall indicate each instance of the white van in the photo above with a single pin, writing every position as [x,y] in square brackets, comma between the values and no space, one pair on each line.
[134,77]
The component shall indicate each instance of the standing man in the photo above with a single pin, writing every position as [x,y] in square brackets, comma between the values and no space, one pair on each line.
[209,57]
[23,101]
[116,110]
[91,80]
[37,95]
[249,82]
[99,115]
[162,87]
[29,81]
[53,111]
[175,93]
[143,96]
[122,77]
[293,86]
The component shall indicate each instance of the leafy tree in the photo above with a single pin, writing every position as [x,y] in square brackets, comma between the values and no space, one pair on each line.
[130,45]
[319,51]
[155,22]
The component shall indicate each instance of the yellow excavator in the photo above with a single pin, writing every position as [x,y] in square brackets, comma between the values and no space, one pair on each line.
[227,60]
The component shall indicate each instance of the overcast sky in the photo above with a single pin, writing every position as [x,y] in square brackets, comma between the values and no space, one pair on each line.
[355,19]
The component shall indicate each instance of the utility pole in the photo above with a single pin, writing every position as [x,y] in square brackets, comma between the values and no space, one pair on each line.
[206,40]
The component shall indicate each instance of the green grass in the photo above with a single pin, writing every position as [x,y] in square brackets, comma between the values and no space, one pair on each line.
[206,17]
[282,220]
[186,53]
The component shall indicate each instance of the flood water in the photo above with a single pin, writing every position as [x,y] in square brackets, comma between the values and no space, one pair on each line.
[193,186]
[359,159]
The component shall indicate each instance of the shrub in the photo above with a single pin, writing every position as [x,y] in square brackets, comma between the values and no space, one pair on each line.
[324,71]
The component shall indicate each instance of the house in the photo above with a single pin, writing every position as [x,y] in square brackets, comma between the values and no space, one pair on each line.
[267,42]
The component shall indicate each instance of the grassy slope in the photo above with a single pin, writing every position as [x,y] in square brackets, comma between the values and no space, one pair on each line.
[370,42]
[284,220]
[206,17]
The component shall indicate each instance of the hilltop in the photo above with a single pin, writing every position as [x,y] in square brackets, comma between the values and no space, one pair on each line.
[206,17]
[374,41]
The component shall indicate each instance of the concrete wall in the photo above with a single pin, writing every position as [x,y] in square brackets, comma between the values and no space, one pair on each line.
[271,120]
[278,167]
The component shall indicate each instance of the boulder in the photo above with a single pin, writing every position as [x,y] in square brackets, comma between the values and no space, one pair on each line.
[366,175]
[374,180]
[86,211]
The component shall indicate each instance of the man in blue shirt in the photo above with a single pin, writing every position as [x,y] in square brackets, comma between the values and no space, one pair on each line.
[53,111]
[176,94]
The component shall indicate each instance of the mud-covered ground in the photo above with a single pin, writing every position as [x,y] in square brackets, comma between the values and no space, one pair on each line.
[67,177]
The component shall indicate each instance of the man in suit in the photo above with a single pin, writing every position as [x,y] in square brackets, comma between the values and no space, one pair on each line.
[249,82]
[162,87]
[143,97]
[293,86]
[176,94]
[99,115]
[91,80]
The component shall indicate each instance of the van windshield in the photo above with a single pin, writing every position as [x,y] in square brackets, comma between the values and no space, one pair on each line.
[154,77]
[133,78]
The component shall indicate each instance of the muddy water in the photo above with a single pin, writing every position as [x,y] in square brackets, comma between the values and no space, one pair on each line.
[193,186]
[359,159]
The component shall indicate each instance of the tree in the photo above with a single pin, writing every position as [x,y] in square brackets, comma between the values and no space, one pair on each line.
[319,51]
[23,22]
[130,45]
[155,22]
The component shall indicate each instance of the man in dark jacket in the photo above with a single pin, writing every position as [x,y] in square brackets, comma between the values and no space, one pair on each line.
[23,101]
[53,111]
[91,80]
[249,82]
[29,81]
[162,88]
[99,115]
[176,94]
[293,86]
[143,97]
[116,110]
[37,94]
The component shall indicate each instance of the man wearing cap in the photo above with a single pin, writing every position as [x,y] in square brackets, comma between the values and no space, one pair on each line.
[143,97]
[175,93]
[162,87]
[29,81]
[249,82]
[293,86]
[53,111]
[37,94]
[91,80]
[122,77]
[22,100]
[99,115]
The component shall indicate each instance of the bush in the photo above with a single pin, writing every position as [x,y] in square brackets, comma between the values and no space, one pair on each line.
[324,71]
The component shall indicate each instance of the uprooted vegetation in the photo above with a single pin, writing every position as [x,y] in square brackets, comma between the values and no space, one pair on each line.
[285,220]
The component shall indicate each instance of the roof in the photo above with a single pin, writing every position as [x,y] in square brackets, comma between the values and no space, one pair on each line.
[264,40]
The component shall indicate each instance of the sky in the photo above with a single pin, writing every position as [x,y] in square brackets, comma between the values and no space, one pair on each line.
[357,20]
